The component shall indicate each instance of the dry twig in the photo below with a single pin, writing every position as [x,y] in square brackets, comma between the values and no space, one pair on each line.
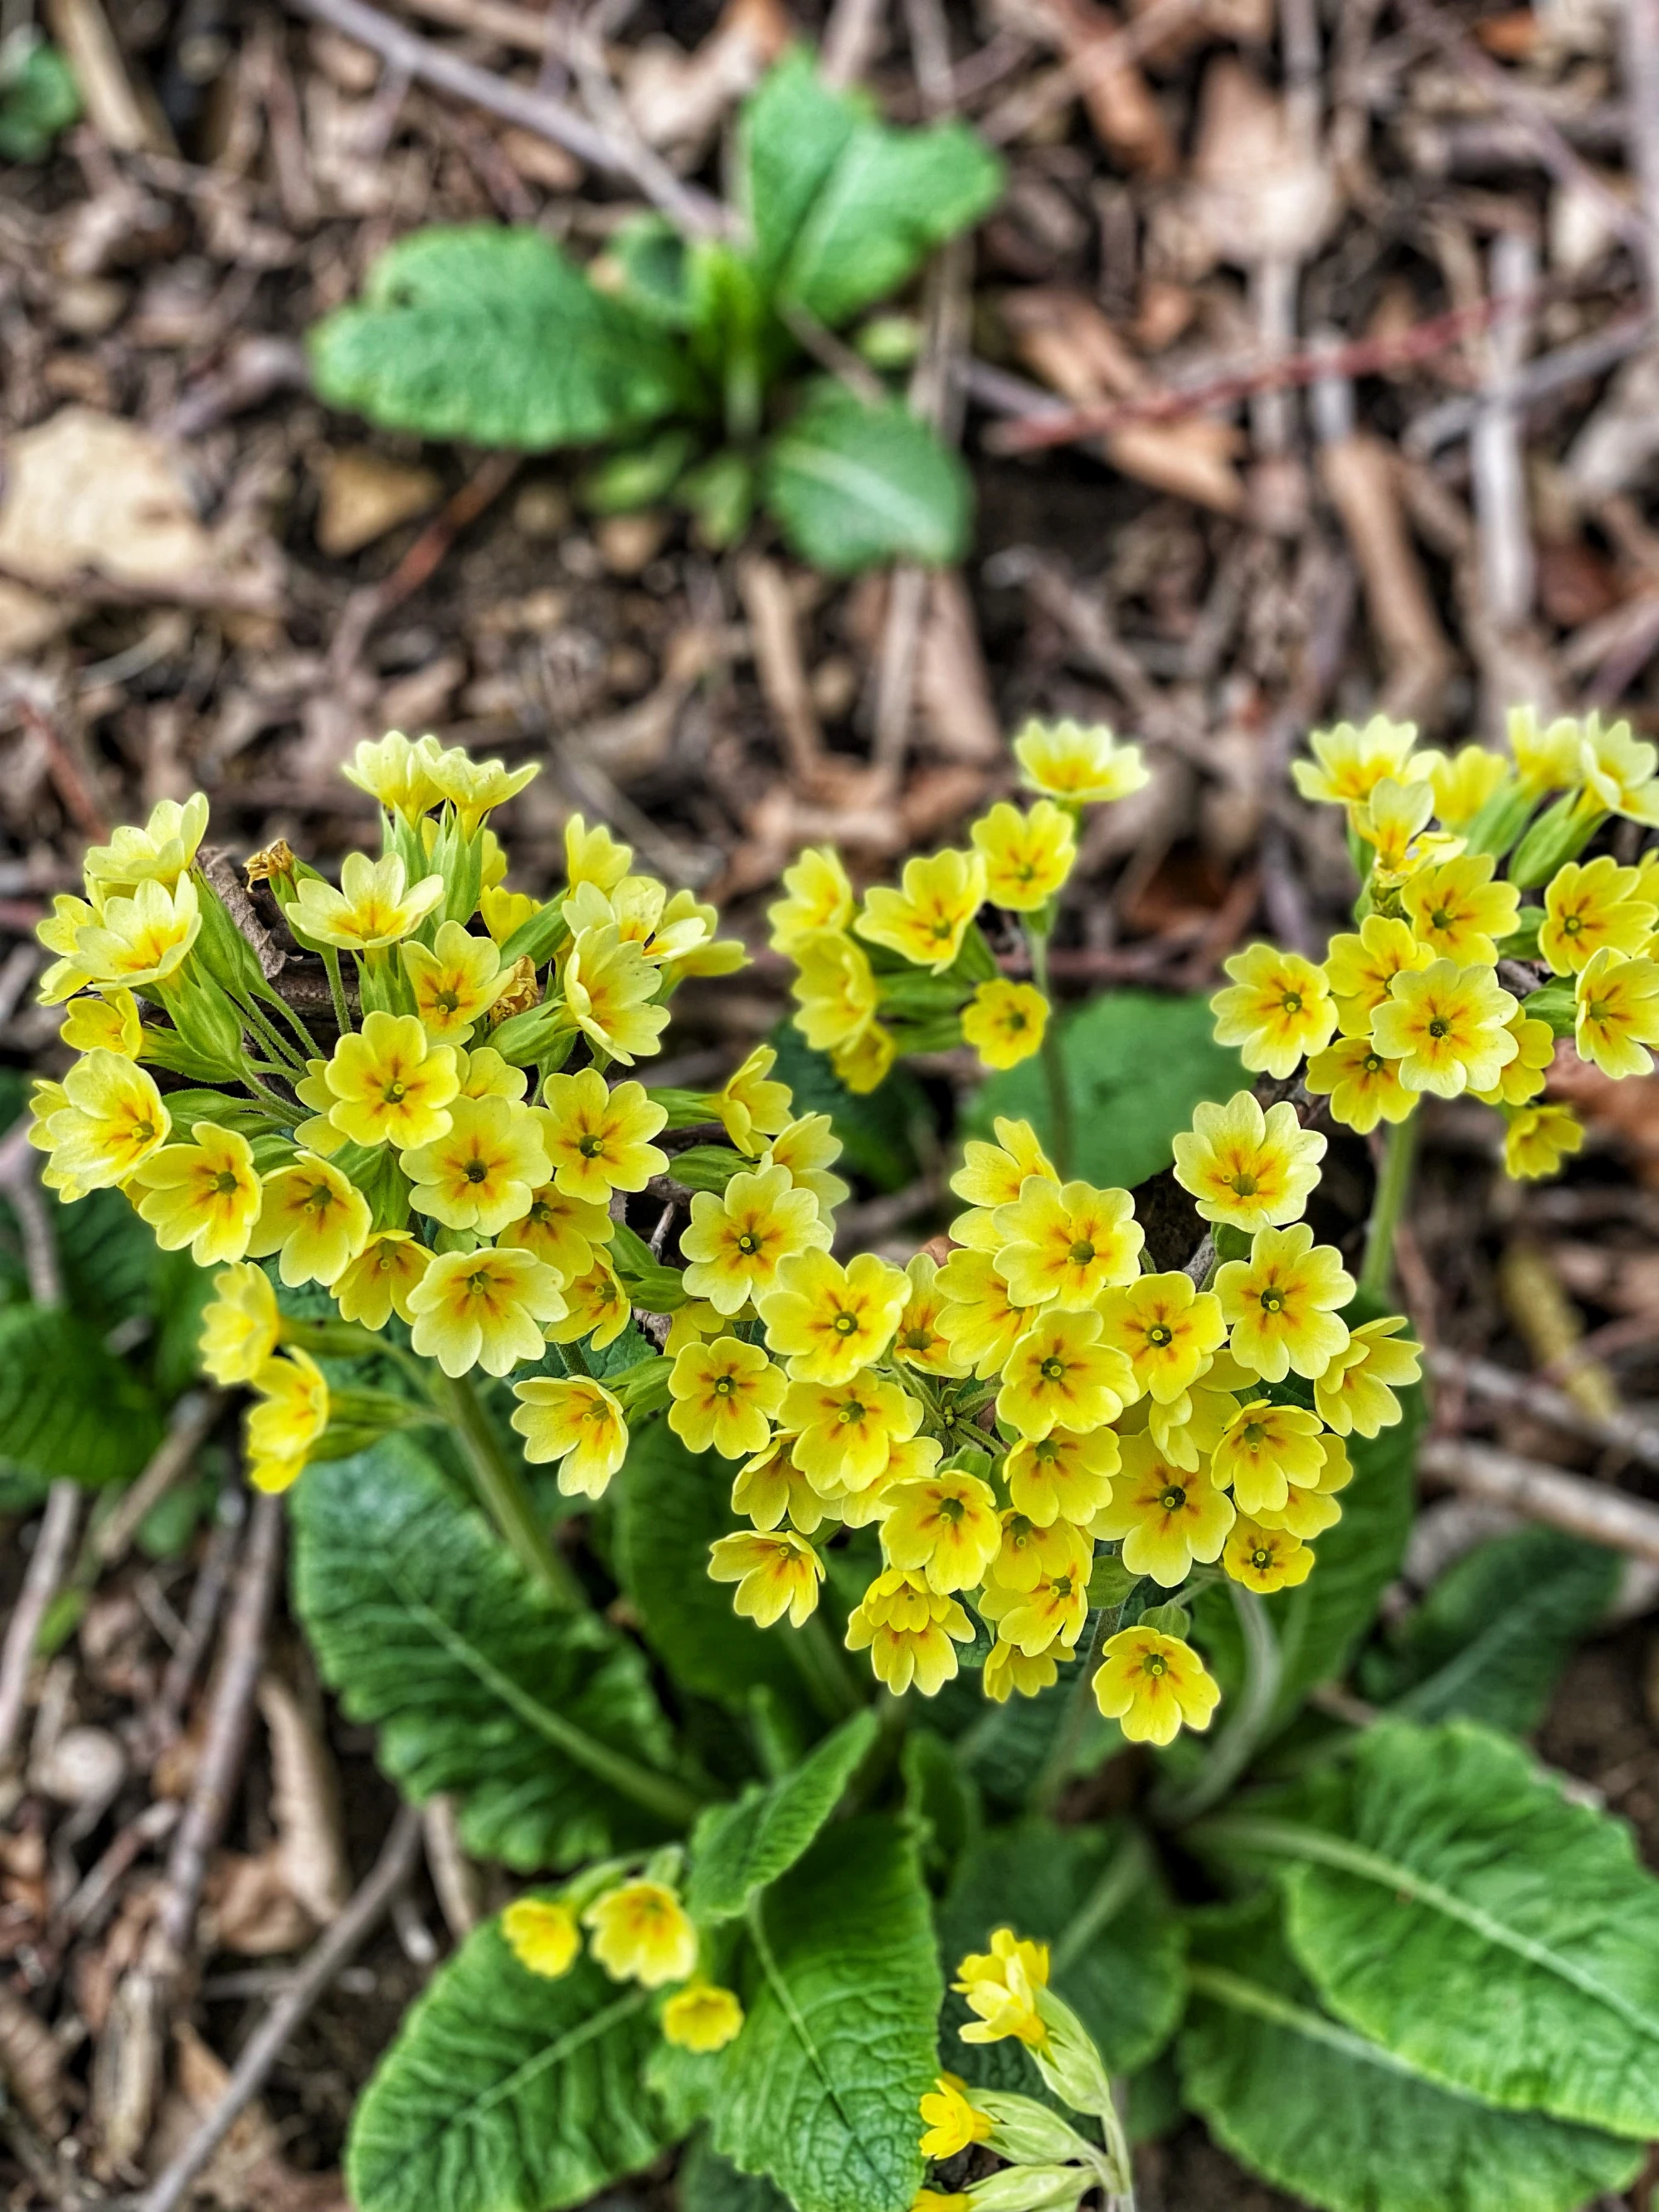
[1590,1509]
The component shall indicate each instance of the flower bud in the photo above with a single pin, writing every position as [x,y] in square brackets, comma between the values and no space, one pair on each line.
[1031,2134]
[1033,2189]
[1070,2063]
[207,1023]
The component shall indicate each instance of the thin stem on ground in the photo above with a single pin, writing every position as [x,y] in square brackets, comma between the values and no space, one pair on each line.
[1393,1184]
[1053,1057]
[503,1490]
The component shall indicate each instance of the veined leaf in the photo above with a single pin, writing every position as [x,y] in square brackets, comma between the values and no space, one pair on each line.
[791,132]
[738,1849]
[709,2182]
[542,1723]
[820,2090]
[506,2092]
[855,485]
[68,1406]
[1346,2125]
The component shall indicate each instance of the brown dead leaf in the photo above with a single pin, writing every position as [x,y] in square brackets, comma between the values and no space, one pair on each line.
[305,1804]
[247,2172]
[365,494]
[32,2066]
[1254,193]
[248,1907]
[680,100]
[953,691]
[1122,112]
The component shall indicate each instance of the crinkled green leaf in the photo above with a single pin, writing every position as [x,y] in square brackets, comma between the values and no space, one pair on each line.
[855,484]
[1346,2125]
[820,2089]
[426,1625]
[68,1405]
[506,2092]
[709,2182]
[738,1849]
[39,97]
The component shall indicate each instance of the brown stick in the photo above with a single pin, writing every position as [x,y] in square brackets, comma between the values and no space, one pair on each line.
[1624,1431]
[1589,1509]
[192,1417]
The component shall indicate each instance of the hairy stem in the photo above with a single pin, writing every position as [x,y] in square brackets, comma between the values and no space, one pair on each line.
[1053,1057]
[269,1035]
[502,1488]
[337,989]
[1393,1184]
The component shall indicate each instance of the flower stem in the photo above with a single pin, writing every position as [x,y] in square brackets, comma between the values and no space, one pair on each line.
[269,1035]
[1054,1057]
[309,1048]
[1056,1770]
[1235,1746]
[502,1488]
[828,1680]
[337,989]
[1393,1184]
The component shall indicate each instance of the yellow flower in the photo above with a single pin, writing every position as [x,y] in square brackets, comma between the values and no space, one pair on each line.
[1250,1169]
[1394,822]
[641,1933]
[1548,759]
[68,973]
[833,987]
[563,1233]
[1447,1028]
[1007,1668]
[820,898]
[979,1320]
[389,1086]
[1360,968]
[770,1485]
[921,1342]
[947,1528]
[574,1419]
[1283,1304]
[1526,1074]
[160,851]
[474,788]
[749,1106]
[1355,1395]
[1027,856]
[378,1282]
[1617,1013]
[1005,1022]
[737,1241]
[1459,911]
[1002,1986]
[503,913]
[542,1933]
[205,1195]
[1311,1508]
[1166,1330]
[1067,1244]
[909,1630]
[1348,764]
[1620,770]
[596,1308]
[1279,1008]
[1081,763]
[1591,904]
[703,2017]
[1263,1449]
[950,2122]
[807,1147]
[597,1139]
[375,904]
[926,920]
[1463,784]
[828,1320]
[1036,1590]
[396,772]
[290,1417]
[1166,1517]
[725,1396]
[844,1432]
[931,2200]
[484,1309]
[1365,1088]
[1539,1139]
[1154,1686]
[106,1025]
[1060,1375]
[142,939]
[776,1572]
[1266,1560]
[608,983]
[695,1322]
[863,1061]
[112,1120]
[456,983]
[485,1074]
[483,1172]
[1062,1476]
[594,856]
[240,1326]
[995,1174]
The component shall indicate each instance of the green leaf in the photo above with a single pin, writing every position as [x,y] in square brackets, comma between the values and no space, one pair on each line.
[425,1625]
[854,485]
[506,2092]
[709,2182]
[1346,2124]
[68,1406]
[941,1800]
[738,1849]
[490,334]
[39,97]
[877,1127]
[792,130]
[820,2089]
[1448,1901]
[1490,1638]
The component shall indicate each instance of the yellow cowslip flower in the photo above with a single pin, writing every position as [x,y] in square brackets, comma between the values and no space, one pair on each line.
[1447,1028]
[931,2200]
[819,898]
[45,1099]
[503,913]
[111,1023]
[542,1935]
[1311,1508]
[388,1085]
[67,973]
[827,1320]
[396,772]
[726,1395]
[770,1486]
[598,1139]
[1394,822]
[1539,1139]
[949,2122]
[641,1932]
[608,987]
[638,907]
[1590,904]
[695,1322]
[684,939]
[749,1106]
[475,787]
[736,1239]
[946,1528]
[206,1194]
[1064,1476]
[597,1311]
[1191,1426]
[1283,1302]
[161,852]
[566,1234]
[1463,783]
[141,939]
[1349,763]
[925,920]
[289,1418]
[485,1169]
[240,1326]
[979,1320]
[1363,1087]
[1359,968]
[1248,1169]
[1081,763]
[1034,1602]
[594,856]
[910,1632]
[1002,1986]
[995,1174]
[703,2017]
[1617,1013]
[1165,1328]
[808,1147]
[111,1121]
[485,1074]
[844,1432]
[1061,1376]
[1005,1022]
[1154,1685]
[1263,1449]
[864,1062]
[1526,1074]
[1459,911]
[1355,1395]
[921,1342]
[1008,1669]
[776,1572]
[1166,1516]
[1266,1560]
[375,904]
[1278,1009]
[1064,1244]
[485,1309]
[378,1282]
[1548,759]
[456,983]
[1028,856]
[1619,770]
[317,1133]
[576,1421]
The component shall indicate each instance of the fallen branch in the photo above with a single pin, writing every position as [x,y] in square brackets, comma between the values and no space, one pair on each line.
[192,1417]
[1624,1431]
[1590,1509]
